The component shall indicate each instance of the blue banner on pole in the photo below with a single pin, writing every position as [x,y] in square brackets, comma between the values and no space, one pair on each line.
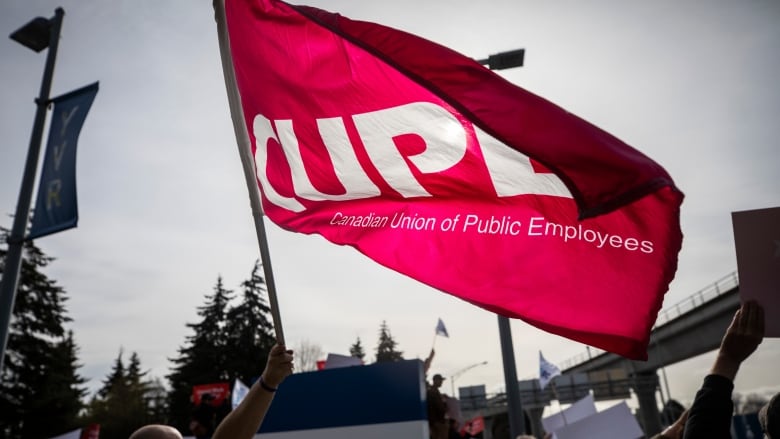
[56,208]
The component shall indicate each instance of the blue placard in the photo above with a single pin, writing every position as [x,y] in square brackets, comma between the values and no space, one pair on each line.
[379,394]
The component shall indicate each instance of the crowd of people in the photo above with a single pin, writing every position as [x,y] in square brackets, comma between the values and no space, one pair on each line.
[708,417]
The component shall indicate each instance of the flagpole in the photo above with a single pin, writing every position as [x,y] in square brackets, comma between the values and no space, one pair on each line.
[558,398]
[245,152]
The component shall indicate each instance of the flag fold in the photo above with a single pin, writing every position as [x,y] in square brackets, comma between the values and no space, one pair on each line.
[436,167]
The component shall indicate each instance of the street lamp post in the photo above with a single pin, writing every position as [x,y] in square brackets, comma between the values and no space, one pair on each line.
[461,372]
[514,404]
[36,35]
[500,61]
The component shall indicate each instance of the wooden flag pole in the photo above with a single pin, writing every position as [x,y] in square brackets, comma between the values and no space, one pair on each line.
[245,152]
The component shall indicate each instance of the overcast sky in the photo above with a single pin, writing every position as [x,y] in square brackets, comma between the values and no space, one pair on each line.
[164,208]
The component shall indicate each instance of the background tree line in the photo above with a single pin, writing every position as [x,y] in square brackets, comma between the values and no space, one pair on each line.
[42,394]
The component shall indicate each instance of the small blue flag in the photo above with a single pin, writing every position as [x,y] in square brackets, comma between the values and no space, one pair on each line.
[547,371]
[240,391]
[441,330]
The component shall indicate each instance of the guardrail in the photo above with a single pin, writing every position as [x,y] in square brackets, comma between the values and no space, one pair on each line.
[710,292]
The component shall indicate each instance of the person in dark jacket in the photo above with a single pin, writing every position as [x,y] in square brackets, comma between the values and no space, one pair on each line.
[710,415]
[437,409]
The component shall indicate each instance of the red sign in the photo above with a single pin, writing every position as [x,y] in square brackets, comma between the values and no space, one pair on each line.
[213,394]
[474,426]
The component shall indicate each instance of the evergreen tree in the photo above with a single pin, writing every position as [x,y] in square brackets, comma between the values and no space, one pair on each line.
[137,390]
[115,379]
[58,395]
[157,401]
[122,404]
[203,359]
[386,347]
[356,350]
[249,331]
[39,379]
[107,406]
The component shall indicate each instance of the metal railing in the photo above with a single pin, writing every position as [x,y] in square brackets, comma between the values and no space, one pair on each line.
[710,292]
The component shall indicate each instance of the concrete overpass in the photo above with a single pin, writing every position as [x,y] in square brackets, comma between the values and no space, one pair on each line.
[689,328]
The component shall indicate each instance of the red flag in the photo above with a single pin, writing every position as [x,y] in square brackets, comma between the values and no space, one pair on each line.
[434,166]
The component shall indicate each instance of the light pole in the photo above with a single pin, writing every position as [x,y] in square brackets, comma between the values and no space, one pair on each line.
[461,372]
[36,35]
[500,61]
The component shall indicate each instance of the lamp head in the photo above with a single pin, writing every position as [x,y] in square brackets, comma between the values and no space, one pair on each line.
[34,35]
[506,60]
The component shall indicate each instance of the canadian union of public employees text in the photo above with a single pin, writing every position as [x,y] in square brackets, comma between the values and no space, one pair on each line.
[501,225]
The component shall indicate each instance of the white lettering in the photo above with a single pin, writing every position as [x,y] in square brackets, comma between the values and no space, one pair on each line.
[53,193]
[533,226]
[59,151]
[445,142]
[263,133]
[355,181]
[444,136]
[512,172]
[66,117]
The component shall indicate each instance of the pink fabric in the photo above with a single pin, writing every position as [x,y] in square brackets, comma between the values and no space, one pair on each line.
[348,121]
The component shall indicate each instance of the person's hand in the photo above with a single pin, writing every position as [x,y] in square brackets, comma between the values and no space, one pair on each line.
[279,365]
[745,332]
[676,430]
[741,339]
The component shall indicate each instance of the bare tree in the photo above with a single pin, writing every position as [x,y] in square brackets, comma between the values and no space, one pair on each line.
[306,355]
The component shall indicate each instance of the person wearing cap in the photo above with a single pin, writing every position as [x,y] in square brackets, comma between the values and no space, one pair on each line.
[710,414]
[437,409]
[769,417]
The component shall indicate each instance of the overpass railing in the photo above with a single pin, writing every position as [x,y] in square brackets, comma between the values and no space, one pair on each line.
[710,292]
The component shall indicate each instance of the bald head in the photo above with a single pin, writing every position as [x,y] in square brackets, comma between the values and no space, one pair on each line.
[156,432]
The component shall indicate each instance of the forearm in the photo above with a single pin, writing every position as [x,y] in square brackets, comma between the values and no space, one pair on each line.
[725,367]
[710,414]
[245,420]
